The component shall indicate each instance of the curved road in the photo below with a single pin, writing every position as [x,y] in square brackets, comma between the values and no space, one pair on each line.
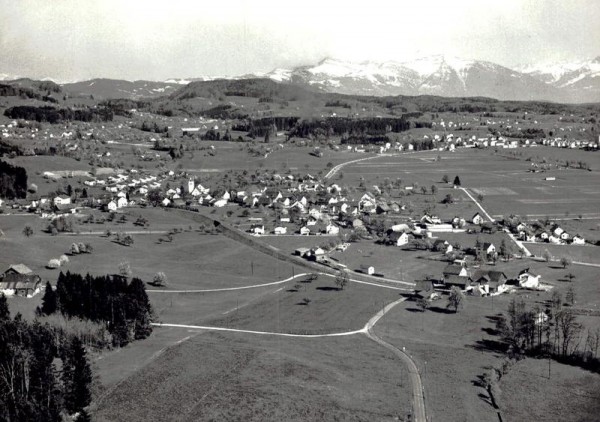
[273,283]
[415,377]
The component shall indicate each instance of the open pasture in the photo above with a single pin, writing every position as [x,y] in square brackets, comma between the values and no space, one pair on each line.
[580,253]
[392,261]
[191,261]
[452,350]
[330,310]
[506,183]
[570,394]
[236,376]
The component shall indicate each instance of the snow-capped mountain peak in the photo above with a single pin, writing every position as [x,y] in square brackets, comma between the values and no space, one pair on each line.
[438,75]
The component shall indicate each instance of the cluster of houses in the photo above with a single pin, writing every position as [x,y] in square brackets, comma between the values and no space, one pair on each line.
[478,282]
[538,233]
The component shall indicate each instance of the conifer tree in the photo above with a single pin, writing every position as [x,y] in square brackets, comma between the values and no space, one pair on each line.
[77,377]
[4,311]
[49,301]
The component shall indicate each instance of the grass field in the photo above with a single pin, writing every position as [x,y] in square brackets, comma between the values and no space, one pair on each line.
[452,350]
[445,349]
[233,376]
[570,394]
[581,253]
[330,310]
[191,261]
[505,183]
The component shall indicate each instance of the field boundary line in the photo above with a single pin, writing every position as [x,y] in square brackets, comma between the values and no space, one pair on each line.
[478,204]
[266,333]
[274,283]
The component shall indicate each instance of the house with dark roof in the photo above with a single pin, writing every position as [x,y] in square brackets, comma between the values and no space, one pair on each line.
[456,269]
[16,269]
[489,281]
[462,282]
[19,280]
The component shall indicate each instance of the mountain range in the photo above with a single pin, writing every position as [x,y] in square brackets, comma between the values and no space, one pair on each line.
[574,82]
[452,77]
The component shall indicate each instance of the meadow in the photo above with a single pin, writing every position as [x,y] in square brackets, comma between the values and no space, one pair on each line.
[268,379]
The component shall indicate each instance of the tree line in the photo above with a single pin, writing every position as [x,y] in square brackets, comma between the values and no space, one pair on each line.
[554,332]
[32,388]
[13,181]
[124,307]
[56,115]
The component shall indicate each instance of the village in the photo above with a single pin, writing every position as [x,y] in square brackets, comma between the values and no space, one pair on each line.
[430,224]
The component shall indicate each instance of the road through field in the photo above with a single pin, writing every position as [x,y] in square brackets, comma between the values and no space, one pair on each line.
[518,243]
[415,377]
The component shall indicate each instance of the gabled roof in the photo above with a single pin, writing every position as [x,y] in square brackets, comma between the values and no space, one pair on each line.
[457,280]
[490,276]
[453,269]
[424,285]
[19,269]
[526,271]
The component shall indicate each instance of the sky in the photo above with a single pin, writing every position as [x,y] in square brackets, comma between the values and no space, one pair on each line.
[68,40]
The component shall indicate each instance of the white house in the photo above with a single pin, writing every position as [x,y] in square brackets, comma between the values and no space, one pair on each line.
[220,203]
[280,230]
[257,229]
[528,279]
[304,231]
[121,202]
[578,240]
[332,229]
[62,200]
[477,219]
[112,206]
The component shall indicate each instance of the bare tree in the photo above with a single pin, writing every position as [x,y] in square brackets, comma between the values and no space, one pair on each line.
[341,279]
[423,304]
[125,269]
[569,329]
[27,231]
[456,299]
[565,261]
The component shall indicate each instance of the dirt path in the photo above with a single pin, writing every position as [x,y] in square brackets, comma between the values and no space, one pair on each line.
[274,283]
[516,242]
[415,377]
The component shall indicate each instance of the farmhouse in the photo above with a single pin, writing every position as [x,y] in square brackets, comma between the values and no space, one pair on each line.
[398,239]
[455,270]
[302,252]
[461,282]
[489,281]
[424,290]
[578,240]
[19,280]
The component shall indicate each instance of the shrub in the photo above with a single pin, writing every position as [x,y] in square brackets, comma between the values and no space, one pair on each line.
[53,264]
